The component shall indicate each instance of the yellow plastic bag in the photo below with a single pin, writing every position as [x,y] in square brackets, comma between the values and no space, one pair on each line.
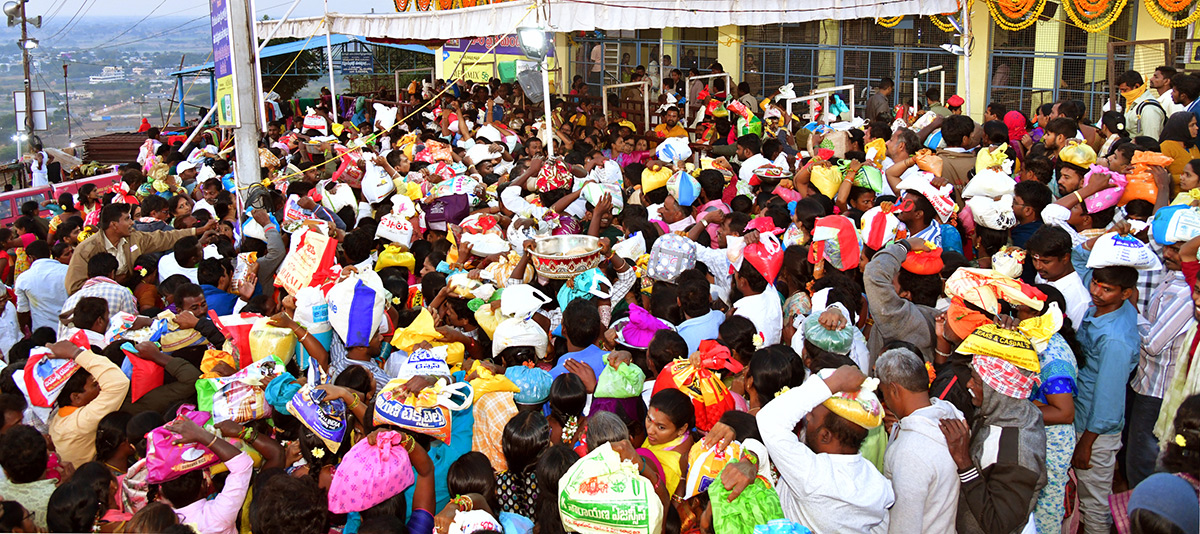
[1008,345]
[485,382]
[395,256]
[826,180]
[267,340]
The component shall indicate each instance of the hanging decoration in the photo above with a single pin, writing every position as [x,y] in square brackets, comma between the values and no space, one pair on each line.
[1093,15]
[424,5]
[401,5]
[446,4]
[889,22]
[943,21]
[1013,15]
[1168,12]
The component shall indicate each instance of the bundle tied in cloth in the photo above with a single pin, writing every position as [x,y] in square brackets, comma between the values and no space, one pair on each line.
[942,198]
[370,474]
[637,330]
[554,174]
[701,383]
[427,412]
[604,494]
[1005,377]
[325,418]
[835,240]
[860,407]
[835,341]
[880,226]
[985,288]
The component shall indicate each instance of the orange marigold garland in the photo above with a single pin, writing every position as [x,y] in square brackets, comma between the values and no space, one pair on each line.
[1170,13]
[1013,15]
[401,5]
[942,21]
[889,22]
[1093,15]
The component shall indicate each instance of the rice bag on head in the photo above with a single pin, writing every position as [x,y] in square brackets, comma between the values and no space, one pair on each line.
[356,307]
[1009,261]
[989,183]
[673,150]
[942,198]
[594,191]
[683,187]
[995,214]
[1175,224]
[860,407]
[986,287]
[603,494]
[166,460]
[1107,198]
[428,412]
[588,284]
[826,179]
[992,159]
[376,185]
[835,240]
[1077,153]
[553,175]
[671,255]
[870,177]
[637,330]
[653,179]
[519,332]
[370,474]
[533,381]
[396,256]
[705,466]
[1113,250]
[1010,345]
[325,418]
[880,226]
[923,262]
[522,301]
[766,255]
[238,397]
[709,396]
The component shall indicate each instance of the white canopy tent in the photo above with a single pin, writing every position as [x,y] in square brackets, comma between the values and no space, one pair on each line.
[587,15]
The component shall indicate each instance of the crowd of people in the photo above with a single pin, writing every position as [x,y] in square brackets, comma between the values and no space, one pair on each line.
[465,320]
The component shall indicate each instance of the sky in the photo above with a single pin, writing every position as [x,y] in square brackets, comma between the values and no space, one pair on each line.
[194,8]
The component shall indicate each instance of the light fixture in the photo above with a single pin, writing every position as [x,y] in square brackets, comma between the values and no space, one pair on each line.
[533,42]
[953,49]
[30,43]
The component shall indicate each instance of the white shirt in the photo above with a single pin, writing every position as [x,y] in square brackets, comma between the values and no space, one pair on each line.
[167,266]
[41,292]
[1077,297]
[40,176]
[825,492]
[752,163]
[765,311]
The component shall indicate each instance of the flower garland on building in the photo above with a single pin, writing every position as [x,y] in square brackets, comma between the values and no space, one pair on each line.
[1167,12]
[1013,15]
[889,22]
[1093,15]
[942,21]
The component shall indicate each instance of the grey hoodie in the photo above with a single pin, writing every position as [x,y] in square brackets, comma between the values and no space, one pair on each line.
[922,473]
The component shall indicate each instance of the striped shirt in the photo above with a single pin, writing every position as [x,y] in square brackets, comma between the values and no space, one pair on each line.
[1162,326]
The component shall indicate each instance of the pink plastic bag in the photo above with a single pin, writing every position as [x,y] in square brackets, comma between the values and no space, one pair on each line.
[1108,197]
[369,475]
[167,461]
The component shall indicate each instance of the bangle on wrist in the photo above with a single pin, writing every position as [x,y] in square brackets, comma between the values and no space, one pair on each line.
[1079,197]
[463,503]
[211,442]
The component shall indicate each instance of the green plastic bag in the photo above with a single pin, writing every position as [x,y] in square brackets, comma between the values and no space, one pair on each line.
[507,71]
[757,505]
[623,382]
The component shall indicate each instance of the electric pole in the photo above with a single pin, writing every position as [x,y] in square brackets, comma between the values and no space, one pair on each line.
[67,102]
[25,61]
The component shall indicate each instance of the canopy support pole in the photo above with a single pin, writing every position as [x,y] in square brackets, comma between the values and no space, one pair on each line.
[333,101]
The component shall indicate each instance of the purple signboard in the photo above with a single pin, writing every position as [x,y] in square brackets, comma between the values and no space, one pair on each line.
[509,45]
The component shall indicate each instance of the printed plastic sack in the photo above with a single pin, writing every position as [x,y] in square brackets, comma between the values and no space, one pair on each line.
[603,494]
[870,177]
[826,179]
[1139,184]
[315,253]
[758,505]
[1175,224]
[120,327]
[370,474]
[709,396]
[376,185]
[293,213]
[1008,345]
[242,268]
[356,307]
[1113,249]
[425,362]
[312,312]
[167,461]
[622,382]
[266,341]
[395,228]
[238,396]
[427,412]
[314,121]
[673,150]
[705,465]
[326,419]
[45,376]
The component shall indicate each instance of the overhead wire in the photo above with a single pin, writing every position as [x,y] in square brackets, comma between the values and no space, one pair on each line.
[136,24]
[50,89]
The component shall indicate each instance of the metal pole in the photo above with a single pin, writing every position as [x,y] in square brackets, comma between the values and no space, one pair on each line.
[25,63]
[329,57]
[200,126]
[246,133]
[546,106]
[661,52]
[67,101]
[262,109]
[966,29]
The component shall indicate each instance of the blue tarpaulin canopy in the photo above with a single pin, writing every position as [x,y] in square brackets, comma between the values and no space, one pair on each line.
[311,44]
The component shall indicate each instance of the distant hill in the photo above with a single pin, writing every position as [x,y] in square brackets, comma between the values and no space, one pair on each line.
[169,33]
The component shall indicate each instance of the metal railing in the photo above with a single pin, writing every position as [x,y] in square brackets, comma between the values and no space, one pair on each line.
[645,100]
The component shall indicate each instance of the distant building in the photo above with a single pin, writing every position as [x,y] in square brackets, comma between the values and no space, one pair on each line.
[109,74]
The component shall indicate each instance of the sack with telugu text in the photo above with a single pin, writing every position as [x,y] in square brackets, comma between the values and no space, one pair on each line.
[356,307]
[325,418]
[604,494]
[239,397]
[427,412]
[166,460]
[316,254]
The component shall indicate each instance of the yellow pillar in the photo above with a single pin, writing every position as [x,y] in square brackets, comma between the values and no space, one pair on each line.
[981,32]
[1048,39]
[670,37]
[729,51]
[439,65]
[827,67]
[560,80]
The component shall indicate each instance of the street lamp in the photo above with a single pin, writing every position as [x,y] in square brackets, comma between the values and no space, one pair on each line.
[536,45]
[18,138]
